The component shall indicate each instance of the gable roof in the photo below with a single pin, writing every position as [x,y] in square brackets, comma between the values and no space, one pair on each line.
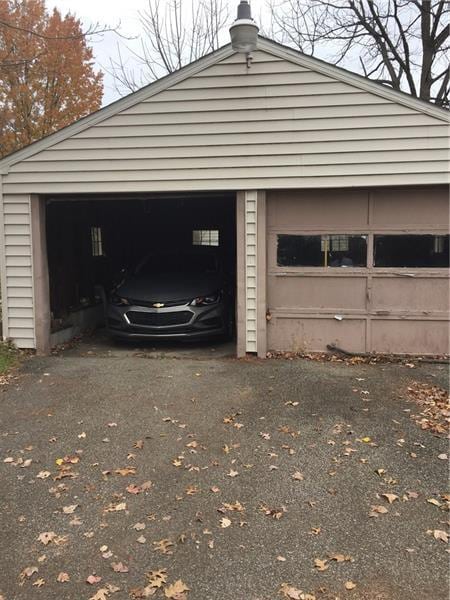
[160,85]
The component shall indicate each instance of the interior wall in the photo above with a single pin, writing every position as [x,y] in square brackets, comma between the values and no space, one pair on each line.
[398,310]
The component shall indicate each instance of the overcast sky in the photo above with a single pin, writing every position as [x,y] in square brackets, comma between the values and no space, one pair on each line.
[126,13]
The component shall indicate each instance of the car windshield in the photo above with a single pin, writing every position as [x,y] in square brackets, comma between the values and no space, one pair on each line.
[177,263]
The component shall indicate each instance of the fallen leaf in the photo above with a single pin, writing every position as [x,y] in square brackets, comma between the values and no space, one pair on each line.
[46,537]
[176,591]
[139,526]
[233,506]
[276,513]
[158,578]
[349,585]
[43,475]
[116,507]
[63,577]
[377,510]
[438,534]
[125,471]
[119,567]
[321,565]
[224,522]
[290,592]
[39,582]
[68,510]
[297,476]
[141,539]
[93,579]
[232,473]
[340,557]
[281,558]
[112,588]
[27,572]
[390,497]
[443,456]
[433,501]
[164,546]
[101,594]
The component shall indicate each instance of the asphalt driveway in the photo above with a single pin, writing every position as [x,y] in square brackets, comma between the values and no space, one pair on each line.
[128,471]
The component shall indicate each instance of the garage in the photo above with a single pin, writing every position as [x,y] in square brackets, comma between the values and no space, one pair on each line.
[326,193]
[98,246]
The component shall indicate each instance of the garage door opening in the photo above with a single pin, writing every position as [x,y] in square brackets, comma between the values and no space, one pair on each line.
[146,268]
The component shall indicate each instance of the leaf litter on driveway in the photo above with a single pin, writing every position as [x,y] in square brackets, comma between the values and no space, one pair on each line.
[260,478]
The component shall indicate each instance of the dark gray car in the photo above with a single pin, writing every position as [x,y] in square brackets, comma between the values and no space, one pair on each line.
[172,297]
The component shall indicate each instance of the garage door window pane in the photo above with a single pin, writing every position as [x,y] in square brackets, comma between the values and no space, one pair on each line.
[205,237]
[411,251]
[332,250]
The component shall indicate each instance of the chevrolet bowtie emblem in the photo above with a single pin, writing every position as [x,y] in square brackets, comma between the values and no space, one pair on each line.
[158,305]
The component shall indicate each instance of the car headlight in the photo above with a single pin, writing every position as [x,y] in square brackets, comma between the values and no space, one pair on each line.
[206,300]
[118,300]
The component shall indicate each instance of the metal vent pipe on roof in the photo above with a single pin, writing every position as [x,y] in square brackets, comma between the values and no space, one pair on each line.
[244,31]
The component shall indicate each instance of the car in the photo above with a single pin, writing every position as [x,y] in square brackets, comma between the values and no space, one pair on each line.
[172,296]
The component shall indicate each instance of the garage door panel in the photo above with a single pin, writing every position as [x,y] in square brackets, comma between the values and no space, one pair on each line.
[313,334]
[411,336]
[396,294]
[305,209]
[317,292]
[399,208]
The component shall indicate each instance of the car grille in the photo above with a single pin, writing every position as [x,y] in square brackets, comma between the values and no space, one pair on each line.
[151,303]
[159,319]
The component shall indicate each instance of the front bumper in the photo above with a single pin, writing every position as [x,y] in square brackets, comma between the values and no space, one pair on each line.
[174,322]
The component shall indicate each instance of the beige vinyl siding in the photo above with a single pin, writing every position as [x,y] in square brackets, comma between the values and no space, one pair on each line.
[276,125]
[17,288]
[251,251]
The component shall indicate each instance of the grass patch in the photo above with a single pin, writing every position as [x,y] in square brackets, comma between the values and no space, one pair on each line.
[8,357]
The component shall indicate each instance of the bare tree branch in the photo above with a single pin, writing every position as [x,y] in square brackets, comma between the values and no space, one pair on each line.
[174,34]
[401,43]
[96,29]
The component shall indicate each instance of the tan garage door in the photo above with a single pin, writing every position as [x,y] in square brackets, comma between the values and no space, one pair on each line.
[365,270]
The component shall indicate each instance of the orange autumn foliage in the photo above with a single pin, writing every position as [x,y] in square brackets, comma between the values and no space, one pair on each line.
[47,79]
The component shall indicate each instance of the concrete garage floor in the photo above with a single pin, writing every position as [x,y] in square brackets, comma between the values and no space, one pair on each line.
[101,344]
[220,441]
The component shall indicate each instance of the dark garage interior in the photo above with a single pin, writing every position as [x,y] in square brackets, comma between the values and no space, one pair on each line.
[93,244]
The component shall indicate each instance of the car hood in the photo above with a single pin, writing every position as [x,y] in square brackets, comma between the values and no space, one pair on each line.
[170,287]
